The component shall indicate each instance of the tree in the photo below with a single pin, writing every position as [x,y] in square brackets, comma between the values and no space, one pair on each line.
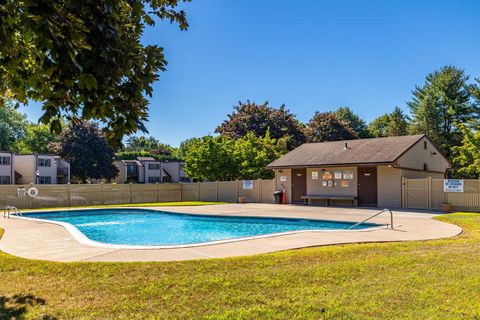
[467,155]
[12,127]
[85,146]
[83,59]
[389,124]
[355,122]
[150,145]
[250,117]
[327,126]
[210,158]
[443,102]
[37,139]
[254,153]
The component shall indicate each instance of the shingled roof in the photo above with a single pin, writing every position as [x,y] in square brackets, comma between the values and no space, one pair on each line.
[347,152]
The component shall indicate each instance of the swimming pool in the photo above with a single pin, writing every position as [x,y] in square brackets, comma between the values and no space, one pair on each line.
[142,227]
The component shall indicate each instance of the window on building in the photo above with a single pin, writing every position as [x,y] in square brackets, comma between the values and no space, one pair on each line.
[131,169]
[154,166]
[44,162]
[425,145]
[153,179]
[4,161]
[44,180]
[5,180]
[425,167]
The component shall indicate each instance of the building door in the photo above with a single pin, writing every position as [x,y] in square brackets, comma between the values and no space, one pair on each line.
[367,187]
[299,185]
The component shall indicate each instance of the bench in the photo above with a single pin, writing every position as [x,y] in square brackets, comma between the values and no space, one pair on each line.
[307,199]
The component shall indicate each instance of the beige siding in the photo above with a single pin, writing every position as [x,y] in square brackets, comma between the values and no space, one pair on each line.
[418,155]
[413,174]
[122,172]
[389,187]
[279,185]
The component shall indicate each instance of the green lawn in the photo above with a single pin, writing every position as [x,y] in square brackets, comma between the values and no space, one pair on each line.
[437,279]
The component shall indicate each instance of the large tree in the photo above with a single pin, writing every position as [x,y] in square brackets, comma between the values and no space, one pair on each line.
[148,144]
[37,139]
[440,105]
[466,156]
[12,127]
[355,122]
[251,117]
[209,158]
[389,124]
[85,146]
[327,126]
[83,59]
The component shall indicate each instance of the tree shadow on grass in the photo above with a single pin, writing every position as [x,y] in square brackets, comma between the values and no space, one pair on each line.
[16,307]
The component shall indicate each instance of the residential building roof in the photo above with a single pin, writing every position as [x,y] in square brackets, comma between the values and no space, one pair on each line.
[347,152]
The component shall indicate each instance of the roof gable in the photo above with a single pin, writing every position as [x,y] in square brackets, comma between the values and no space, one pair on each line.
[347,152]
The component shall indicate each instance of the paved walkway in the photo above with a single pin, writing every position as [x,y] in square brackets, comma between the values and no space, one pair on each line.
[47,241]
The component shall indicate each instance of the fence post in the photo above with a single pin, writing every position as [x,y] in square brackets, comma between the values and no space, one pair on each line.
[429,179]
[404,199]
[216,196]
[101,193]
[131,195]
[157,188]
[259,193]
[236,190]
[181,191]
[198,190]
[30,199]
[69,194]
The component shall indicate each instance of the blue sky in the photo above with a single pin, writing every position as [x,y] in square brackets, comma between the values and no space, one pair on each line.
[310,55]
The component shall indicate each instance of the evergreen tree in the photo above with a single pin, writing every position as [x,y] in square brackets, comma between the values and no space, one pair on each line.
[327,126]
[440,105]
[355,122]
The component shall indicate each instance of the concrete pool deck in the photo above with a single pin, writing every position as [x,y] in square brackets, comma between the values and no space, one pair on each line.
[46,241]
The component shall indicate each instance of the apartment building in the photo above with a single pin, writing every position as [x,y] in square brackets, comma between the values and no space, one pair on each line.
[41,169]
[7,169]
[149,170]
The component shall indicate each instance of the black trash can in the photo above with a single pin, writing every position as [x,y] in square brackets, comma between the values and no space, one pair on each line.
[278,197]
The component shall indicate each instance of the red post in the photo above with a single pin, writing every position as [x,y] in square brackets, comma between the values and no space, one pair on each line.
[284,196]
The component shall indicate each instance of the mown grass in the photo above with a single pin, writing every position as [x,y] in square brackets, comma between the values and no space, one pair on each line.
[438,279]
[134,205]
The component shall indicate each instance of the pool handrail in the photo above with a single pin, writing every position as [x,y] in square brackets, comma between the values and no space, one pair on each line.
[373,216]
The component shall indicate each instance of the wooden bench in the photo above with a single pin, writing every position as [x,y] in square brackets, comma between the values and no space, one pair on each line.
[307,199]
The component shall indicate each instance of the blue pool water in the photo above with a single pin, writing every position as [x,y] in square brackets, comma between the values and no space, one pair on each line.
[149,228]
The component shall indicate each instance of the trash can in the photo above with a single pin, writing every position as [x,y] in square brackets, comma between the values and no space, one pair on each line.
[278,197]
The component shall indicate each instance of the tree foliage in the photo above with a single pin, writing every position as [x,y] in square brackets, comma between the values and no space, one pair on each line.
[440,105]
[354,121]
[327,126]
[467,154]
[85,146]
[148,144]
[37,139]
[389,124]
[83,59]
[250,117]
[222,158]
[12,127]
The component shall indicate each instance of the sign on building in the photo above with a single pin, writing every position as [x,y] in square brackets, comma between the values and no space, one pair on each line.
[453,185]
[247,184]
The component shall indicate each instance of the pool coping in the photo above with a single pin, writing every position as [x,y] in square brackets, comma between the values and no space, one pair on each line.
[42,240]
[83,239]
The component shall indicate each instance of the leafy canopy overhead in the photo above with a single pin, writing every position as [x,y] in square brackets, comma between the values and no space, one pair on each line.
[83,59]
[251,117]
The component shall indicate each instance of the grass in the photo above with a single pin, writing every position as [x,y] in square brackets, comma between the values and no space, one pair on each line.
[438,279]
[148,204]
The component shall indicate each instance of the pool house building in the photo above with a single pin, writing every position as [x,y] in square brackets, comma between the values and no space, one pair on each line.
[362,172]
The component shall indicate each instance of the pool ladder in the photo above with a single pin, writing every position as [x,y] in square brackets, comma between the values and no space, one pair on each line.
[373,216]
[11,210]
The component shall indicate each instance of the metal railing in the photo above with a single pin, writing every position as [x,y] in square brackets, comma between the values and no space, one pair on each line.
[11,210]
[373,216]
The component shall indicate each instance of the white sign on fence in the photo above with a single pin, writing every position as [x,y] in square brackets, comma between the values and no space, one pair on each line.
[247,184]
[453,185]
